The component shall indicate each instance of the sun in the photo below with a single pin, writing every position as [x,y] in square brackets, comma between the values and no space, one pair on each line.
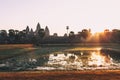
[97,30]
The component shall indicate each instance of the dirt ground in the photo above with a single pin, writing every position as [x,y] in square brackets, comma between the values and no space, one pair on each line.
[62,75]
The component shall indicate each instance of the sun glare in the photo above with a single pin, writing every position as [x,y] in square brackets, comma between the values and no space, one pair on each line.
[99,60]
[98,49]
[97,30]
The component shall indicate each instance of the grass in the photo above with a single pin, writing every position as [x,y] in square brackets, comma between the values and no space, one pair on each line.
[7,51]
[12,50]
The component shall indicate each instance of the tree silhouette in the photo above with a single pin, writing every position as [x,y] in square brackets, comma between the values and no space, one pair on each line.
[11,36]
[67,28]
[71,37]
[3,36]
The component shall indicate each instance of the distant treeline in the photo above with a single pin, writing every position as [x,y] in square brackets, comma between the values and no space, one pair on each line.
[84,36]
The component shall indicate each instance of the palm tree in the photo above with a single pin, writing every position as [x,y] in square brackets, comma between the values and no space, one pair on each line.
[67,27]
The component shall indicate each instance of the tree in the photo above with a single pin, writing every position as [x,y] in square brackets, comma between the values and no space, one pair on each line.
[71,36]
[3,36]
[85,33]
[11,35]
[67,28]
[17,36]
[22,36]
[116,35]
[106,37]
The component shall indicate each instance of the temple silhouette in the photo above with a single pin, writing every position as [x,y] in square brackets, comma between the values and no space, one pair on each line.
[36,32]
[42,36]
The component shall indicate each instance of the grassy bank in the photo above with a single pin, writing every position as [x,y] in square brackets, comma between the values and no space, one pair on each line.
[12,50]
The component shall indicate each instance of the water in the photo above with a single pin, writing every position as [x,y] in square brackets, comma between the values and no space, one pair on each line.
[80,59]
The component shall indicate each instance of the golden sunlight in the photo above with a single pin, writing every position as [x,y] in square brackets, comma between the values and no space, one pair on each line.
[98,59]
[98,48]
[97,30]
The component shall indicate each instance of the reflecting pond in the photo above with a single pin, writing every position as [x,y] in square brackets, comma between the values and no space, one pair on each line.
[80,59]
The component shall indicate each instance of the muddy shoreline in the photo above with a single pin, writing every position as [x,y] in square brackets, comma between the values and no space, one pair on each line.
[62,75]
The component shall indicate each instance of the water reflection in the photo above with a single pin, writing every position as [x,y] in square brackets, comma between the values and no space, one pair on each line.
[81,59]
[64,60]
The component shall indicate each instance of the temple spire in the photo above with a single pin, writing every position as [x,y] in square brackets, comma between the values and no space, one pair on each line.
[27,29]
[31,32]
[47,33]
[38,27]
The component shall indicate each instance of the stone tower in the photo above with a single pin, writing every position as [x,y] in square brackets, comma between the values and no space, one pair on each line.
[47,33]
[27,30]
[31,32]
[37,28]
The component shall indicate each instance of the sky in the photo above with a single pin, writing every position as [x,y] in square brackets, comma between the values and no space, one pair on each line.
[57,14]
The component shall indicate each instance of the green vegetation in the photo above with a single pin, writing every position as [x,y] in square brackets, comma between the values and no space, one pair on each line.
[7,51]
